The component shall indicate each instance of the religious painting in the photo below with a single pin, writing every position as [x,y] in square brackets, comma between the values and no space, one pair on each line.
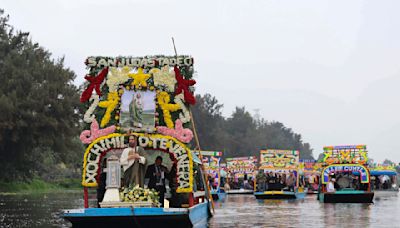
[138,111]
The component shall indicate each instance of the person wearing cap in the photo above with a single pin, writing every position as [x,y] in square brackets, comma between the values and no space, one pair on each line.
[330,187]
[133,163]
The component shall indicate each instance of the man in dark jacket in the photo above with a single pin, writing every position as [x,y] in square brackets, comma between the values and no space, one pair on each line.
[155,177]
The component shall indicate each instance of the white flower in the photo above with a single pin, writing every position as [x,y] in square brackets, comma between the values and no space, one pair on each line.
[164,77]
[116,77]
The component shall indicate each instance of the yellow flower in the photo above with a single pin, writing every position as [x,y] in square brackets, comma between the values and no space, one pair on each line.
[163,100]
[110,104]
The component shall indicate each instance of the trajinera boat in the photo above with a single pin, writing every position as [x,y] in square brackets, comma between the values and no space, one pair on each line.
[241,175]
[311,175]
[278,175]
[345,176]
[384,180]
[216,176]
[138,117]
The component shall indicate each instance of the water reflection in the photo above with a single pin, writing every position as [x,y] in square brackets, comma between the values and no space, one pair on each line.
[246,211]
[43,210]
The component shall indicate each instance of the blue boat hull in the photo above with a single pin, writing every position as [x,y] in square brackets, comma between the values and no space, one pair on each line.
[139,217]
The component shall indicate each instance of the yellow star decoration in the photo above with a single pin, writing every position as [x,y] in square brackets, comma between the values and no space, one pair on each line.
[139,78]
[110,104]
[164,77]
[163,100]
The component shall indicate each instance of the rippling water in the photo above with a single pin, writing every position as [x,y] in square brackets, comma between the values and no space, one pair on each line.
[42,210]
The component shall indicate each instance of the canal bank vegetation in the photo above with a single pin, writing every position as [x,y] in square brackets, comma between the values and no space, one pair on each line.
[41,115]
[38,185]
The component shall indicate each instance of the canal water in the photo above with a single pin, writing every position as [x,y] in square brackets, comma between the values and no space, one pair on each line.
[43,210]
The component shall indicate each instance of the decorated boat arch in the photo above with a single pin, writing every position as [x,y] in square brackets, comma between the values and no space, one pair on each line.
[147,97]
[179,153]
[240,168]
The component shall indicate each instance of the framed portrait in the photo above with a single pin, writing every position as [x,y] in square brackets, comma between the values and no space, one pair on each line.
[138,110]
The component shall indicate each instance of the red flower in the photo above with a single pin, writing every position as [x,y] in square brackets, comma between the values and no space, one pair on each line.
[95,83]
[183,85]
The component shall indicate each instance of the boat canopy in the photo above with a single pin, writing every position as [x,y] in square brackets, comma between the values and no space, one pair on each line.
[383,172]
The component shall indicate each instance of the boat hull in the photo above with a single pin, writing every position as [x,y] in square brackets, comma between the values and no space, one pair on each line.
[275,195]
[338,197]
[139,217]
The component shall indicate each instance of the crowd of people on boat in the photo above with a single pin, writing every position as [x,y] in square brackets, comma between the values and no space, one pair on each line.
[311,182]
[271,181]
[343,181]
[382,182]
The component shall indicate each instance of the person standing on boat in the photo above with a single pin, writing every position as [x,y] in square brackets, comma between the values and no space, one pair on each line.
[155,178]
[330,187]
[133,163]
[291,181]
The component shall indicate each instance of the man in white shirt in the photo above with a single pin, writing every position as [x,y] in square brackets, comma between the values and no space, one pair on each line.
[133,163]
[330,187]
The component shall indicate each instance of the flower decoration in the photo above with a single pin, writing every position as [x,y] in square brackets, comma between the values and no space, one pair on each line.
[117,77]
[164,77]
[88,136]
[182,134]
[163,100]
[185,115]
[95,83]
[89,116]
[138,194]
[183,86]
[110,104]
[139,78]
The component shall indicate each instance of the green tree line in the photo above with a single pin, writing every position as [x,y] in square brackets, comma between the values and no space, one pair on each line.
[241,134]
[41,117]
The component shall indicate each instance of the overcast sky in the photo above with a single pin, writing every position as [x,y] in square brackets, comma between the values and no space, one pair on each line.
[327,69]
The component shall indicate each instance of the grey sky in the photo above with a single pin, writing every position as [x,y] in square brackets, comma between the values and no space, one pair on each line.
[327,69]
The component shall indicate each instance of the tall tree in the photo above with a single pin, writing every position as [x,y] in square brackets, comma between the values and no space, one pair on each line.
[39,103]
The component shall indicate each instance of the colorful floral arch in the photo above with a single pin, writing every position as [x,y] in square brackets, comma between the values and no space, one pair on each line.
[181,154]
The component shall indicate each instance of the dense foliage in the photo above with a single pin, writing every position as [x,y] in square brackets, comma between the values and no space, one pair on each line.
[39,108]
[241,134]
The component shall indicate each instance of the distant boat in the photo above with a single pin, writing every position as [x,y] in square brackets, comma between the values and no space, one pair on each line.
[281,164]
[345,164]
[384,181]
